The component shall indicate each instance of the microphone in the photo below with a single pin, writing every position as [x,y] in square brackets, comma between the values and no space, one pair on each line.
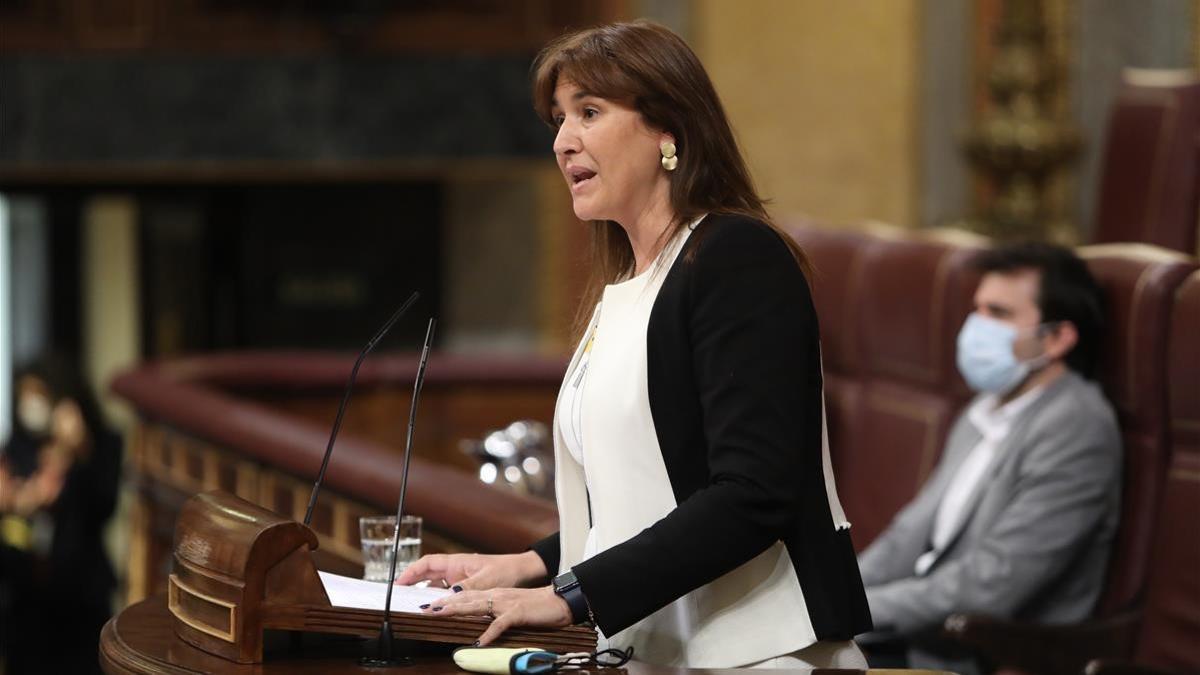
[337,422]
[385,631]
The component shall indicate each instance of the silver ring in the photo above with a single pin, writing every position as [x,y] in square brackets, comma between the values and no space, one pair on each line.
[490,613]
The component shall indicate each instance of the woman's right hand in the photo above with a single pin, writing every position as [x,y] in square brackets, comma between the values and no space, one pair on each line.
[476,572]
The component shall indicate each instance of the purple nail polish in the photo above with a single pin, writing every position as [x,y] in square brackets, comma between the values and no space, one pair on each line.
[425,606]
[456,588]
[475,644]
[437,609]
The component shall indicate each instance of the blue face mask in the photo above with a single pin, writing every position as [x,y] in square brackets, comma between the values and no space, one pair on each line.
[985,355]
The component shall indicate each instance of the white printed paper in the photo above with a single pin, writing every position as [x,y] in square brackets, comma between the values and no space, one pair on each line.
[360,594]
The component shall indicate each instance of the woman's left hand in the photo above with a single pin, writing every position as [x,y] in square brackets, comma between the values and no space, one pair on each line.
[510,606]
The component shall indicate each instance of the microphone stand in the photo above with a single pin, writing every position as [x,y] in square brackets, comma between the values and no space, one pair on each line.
[385,658]
[337,422]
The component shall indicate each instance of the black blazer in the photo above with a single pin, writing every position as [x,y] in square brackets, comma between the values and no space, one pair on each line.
[735,392]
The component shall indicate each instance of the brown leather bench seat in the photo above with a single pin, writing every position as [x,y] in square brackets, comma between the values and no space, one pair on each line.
[1171,616]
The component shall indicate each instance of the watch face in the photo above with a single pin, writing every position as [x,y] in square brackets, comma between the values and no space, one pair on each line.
[565,581]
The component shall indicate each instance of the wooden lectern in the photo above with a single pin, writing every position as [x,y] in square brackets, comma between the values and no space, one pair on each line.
[240,569]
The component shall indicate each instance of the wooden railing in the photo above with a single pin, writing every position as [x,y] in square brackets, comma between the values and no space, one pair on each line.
[256,425]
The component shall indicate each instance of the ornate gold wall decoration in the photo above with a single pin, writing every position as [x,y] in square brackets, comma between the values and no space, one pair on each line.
[1022,141]
[1196,33]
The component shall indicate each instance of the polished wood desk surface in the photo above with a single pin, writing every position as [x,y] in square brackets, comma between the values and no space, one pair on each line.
[141,639]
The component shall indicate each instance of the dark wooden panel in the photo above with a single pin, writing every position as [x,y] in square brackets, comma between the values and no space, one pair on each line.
[293,25]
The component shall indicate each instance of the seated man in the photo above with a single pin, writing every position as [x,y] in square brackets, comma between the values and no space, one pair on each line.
[1019,515]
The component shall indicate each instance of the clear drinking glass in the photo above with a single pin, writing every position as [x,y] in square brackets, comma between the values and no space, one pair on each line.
[376,535]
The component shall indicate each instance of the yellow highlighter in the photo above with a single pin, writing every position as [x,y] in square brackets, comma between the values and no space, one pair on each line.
[504,660]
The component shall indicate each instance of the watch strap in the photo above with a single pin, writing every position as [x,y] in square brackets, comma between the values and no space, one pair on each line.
[566,586]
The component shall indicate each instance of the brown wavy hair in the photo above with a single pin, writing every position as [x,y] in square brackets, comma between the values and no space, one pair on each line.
[645,66]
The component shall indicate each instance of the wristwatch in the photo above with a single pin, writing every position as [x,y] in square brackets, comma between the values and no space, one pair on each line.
[566,586]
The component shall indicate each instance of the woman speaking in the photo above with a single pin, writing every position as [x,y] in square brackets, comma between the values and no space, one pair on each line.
[698,517]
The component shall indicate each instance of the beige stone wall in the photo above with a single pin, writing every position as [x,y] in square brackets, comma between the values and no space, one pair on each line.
[110,297]
[824,98]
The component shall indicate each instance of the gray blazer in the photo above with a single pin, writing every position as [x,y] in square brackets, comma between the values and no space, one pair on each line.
[1035,542]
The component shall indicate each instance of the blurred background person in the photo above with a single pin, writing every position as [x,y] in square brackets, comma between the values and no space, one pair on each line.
[1018,519]
[59,475]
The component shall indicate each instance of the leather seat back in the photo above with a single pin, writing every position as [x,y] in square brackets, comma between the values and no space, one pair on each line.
[1171,616]
[1150,181]
[890,303]
[1139,283]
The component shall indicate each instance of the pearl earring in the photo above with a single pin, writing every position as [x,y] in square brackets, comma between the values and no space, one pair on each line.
[669,160]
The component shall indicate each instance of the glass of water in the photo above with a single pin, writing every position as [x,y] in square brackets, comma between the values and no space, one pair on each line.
[376,535]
